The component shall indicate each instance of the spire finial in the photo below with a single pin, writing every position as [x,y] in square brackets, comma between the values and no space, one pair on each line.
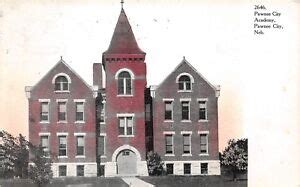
[122,2]
[60,57]
[183,57]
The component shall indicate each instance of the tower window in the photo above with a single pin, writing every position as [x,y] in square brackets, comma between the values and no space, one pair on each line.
[124,83]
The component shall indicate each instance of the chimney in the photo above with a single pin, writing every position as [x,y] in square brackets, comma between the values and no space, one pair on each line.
[97,75]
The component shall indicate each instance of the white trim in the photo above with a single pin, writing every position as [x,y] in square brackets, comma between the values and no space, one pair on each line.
[124,136]
[61,74]
[76,163]
[80,156]
[79,122]
[44,100]
[44,134]
[169,132]
[79,100]
[62,134]
[79,133]
[186,121]
[124,69]
[122,95]
[44,122]
[102,134]
[125,114]
[169,121]
[204,154]
[186,132]
[185,99]
[202,99]
[169,155]
[168,99]
[203,132]
[28,91]
[187,154]
[187,74]
[61,100]
[126,146]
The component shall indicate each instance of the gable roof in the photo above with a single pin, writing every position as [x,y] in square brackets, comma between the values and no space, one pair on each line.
[123,40]
[61,61]
[184,61]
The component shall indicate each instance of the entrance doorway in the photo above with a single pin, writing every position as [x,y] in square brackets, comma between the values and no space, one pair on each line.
[126,162]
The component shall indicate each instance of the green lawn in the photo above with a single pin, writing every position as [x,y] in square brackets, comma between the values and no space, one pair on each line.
[193,181]
[69,182]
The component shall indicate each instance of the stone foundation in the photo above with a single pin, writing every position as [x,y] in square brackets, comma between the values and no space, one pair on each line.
[213,167]
[90,168]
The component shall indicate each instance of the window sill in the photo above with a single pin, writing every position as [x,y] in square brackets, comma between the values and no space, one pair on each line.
[124,95]
[80,156]
[169,121]
[102,123]
[102,156]
[169,154]
[186,154]
[186,121]
[202,120]
[62,157]
[62,122]
[184,90]
[61,91]
[44,122]
[79,122]
[203,154]
[125,136]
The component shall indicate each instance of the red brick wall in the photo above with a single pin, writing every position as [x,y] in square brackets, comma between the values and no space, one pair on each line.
[78,90]
[201,89]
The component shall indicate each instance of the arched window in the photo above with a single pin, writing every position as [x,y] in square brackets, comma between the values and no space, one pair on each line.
[61,83]
[124,83]
[184,83]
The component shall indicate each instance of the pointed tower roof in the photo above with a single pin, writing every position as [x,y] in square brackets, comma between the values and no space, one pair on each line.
[123,40]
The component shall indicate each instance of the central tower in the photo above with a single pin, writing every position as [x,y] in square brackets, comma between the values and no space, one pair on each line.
[125,70]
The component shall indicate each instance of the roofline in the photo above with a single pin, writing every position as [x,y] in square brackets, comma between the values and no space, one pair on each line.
[216,88]
[73,71]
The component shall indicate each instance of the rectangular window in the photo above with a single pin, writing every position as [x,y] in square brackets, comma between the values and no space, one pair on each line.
[186,168]
[62,148]
[44,142]
[79,111]
[80,145]
[204,168]
[125,125]
[169,143]
[80,170]
[202,110]
[62,111]
[186,143]
[185,109]
[102,113]
[44,115]
[62,171]
[170,169]
[203,143]
[101,145]
[168,110]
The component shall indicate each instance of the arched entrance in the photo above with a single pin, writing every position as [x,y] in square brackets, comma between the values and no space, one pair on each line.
[126,162]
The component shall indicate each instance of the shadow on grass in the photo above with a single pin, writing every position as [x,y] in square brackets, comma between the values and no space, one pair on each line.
[68,182]
[193,181]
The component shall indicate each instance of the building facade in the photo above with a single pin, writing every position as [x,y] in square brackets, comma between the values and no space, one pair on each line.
[91,130]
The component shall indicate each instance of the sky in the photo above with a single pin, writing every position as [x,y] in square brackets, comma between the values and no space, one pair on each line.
[258,74]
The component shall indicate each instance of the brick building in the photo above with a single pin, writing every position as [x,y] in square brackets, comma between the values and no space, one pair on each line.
[108,131]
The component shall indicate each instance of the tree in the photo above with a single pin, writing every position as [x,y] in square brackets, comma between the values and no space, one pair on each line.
[235,157]
[155,164]
[22,157]
[40,169]
[8,147]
